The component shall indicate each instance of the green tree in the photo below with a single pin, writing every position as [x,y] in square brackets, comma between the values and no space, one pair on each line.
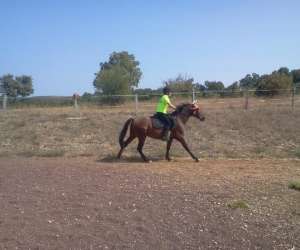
[296,75]
[25,87]
[249,81]
[283,71]
[214,85]
[10,85]
[19,86]
[180,83]
[199,87]
[233,87]
[273,84]
[120,75]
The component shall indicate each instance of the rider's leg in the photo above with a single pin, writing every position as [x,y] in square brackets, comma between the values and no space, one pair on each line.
[166,129]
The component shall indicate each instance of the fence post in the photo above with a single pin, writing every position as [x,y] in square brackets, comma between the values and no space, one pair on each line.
[293,97]
[75,99]
[4,102]
[193,94]
[136,103]
[246,99]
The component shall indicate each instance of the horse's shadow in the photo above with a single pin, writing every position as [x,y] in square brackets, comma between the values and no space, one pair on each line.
[124,159]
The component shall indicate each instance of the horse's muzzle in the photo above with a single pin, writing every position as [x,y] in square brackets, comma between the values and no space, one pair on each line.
[202,118]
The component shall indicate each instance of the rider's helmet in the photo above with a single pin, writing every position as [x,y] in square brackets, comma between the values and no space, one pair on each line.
[166,90]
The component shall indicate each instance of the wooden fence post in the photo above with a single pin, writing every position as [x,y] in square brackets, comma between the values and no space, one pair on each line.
[246,99]
[293,97]
[75,99]
[4,102]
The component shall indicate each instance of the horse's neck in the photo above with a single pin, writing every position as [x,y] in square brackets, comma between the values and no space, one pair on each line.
[183,118]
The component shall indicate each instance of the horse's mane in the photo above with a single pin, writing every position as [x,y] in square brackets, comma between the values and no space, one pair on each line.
[179,108]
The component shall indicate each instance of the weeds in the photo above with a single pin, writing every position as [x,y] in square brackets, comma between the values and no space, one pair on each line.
[43,153]
[294,185]
[297,152]
[238,204]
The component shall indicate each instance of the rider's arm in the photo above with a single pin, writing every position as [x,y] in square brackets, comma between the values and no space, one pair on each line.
[172,106]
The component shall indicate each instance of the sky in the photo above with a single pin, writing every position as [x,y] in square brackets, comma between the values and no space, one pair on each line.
[61,43]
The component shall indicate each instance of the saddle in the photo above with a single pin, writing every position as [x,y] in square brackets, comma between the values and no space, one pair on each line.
[157,123]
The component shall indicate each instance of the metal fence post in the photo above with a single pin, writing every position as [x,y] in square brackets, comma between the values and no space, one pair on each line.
[193,94]
[136,103]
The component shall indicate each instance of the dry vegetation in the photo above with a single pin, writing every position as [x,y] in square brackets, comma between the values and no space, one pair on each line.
[61,187]
[228,132]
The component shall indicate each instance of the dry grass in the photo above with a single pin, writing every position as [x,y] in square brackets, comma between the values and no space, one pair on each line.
[228,132]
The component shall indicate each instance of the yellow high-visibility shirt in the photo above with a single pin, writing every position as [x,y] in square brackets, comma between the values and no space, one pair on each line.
[163,104]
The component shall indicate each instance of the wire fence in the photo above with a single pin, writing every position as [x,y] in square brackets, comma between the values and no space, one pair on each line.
[244,99]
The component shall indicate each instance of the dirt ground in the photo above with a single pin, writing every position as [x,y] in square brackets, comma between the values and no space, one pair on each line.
[89,203]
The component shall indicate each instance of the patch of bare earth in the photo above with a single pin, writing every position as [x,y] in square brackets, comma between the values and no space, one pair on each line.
[84,203]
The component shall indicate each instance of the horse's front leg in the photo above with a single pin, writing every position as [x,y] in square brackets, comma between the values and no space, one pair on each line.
[169,143]
[184,144]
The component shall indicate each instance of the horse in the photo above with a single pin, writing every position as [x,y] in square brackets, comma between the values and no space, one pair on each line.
[141,127]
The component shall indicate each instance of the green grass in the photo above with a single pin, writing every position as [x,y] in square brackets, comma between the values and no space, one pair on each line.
[238,204]
[43,153]
[297,152]
[51,153]
[294,185]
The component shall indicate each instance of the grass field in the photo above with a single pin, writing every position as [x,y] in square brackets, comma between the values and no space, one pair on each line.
[228,132]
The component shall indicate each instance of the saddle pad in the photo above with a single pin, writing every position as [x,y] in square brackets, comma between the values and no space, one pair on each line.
[156,123]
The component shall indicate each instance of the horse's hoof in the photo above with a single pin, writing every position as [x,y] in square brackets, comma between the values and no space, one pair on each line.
[168,159]
[196,160]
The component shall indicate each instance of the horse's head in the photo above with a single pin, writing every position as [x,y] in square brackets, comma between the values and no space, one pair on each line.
[196,111]
[191,109]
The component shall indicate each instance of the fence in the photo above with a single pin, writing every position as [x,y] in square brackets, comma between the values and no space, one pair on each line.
[245,99]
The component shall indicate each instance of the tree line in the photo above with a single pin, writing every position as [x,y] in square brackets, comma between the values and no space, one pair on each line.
[121,74]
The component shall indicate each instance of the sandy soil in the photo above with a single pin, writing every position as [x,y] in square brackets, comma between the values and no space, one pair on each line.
[87,203]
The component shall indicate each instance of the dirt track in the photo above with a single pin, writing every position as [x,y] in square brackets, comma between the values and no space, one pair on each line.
[84,203]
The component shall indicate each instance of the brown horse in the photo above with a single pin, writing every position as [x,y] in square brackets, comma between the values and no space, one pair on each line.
[141,127]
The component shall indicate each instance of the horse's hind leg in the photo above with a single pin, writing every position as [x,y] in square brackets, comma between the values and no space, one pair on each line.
[140,148]
[130,139]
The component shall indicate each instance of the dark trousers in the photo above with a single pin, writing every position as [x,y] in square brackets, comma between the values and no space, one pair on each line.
[164,118]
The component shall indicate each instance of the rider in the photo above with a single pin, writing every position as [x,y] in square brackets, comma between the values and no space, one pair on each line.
[161,112]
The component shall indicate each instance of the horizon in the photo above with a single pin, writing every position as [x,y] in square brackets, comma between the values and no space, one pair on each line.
[62,44]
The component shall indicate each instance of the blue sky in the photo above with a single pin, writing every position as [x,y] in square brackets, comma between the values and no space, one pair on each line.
[61,43]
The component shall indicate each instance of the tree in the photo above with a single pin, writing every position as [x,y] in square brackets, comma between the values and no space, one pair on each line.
[233,90]
[25,87]
[180,83]
[296,75]
[214,85]
[234,87]
[249,81]
[283,71]
[119,75]
[199,87]
[273,84]
[18,86]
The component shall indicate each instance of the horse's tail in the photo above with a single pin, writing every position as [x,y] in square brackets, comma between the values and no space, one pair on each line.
[124,131]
